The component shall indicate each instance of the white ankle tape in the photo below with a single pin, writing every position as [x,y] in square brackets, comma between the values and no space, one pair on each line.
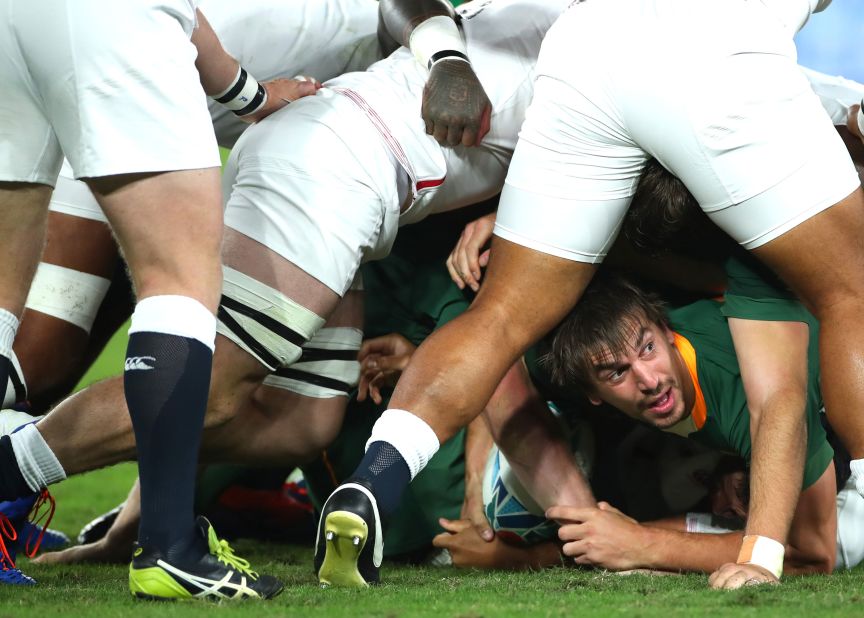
[175,315]
[38,464]
[408,434]
[857,467]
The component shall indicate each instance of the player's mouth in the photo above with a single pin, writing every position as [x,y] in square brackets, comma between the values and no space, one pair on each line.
[662,406]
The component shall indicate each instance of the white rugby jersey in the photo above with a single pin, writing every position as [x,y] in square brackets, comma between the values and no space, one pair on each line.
[285,38]
[503,38]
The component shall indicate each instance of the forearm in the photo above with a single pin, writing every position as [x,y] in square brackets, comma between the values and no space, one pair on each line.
[478,442]
[534,443]
[779,438]
[672,550]
[399,17]
[216,67]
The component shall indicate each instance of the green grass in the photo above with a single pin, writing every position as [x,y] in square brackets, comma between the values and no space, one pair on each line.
[100,590]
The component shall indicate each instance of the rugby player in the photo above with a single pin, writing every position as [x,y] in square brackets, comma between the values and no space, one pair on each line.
[747,136]
[130,115]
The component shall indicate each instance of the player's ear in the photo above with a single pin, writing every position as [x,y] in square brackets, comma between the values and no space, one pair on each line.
[670,334]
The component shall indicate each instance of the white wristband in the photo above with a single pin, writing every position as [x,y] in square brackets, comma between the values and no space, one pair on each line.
[861,118]
[436,39]
[764,552]
[244,96]
[704,523]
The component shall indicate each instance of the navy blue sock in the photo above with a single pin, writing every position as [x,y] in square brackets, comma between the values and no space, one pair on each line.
[167,379]
[12,483]
[384,468]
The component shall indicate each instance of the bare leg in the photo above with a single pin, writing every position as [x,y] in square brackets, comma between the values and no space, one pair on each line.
[53,352]
[823,260]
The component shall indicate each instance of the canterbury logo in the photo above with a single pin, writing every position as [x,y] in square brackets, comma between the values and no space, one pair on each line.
[139,363]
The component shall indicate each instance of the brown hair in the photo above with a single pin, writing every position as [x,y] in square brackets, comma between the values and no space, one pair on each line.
[664,216]
[604,320]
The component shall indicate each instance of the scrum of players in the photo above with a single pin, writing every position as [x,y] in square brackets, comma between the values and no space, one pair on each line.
[692,406]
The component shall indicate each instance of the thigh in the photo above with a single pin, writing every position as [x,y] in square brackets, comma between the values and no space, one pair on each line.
[314,184]
[169,228]
[118,83]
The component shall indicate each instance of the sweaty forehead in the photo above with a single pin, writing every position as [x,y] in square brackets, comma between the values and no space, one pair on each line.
[618,342]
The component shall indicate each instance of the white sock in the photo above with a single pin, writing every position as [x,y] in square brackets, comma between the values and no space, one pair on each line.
[857,466]
[409,434]
[38,464]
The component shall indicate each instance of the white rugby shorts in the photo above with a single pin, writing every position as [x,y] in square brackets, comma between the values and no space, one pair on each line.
[710,89]
[113,85]
[315,183]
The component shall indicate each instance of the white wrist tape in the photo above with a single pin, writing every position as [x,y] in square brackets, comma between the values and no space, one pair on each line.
[861,117]
[704,523]
[244,96]
[436,39]
[764,552]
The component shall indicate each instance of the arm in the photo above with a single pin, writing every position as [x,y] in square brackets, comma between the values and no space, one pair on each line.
[478,442]
[218,70]
[605,537]
[773,361]
[455,107]
[812,546]
[531,439]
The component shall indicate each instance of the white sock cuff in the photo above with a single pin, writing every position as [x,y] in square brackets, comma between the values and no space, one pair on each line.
[175,315]
[857,467]
[8,328]
[408,434]
[37,462]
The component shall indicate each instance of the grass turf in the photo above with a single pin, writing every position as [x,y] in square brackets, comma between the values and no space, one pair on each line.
[100,590]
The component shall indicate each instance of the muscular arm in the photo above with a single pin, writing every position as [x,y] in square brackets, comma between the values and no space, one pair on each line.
[216,67]
[533,443]
[773,361]
[812,546]
[455,371]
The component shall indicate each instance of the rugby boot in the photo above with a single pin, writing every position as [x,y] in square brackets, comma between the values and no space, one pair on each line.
[216,575]
[12,517]
[349,544]
[97,528]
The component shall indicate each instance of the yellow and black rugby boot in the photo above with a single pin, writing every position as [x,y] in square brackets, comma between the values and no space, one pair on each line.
[215,575]
[349,545]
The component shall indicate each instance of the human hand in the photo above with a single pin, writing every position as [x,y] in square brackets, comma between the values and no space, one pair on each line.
[281,92]
[601,536]
[466,259]
[382,360]
[732,576]
[473,511]
[455,107]
[468,549]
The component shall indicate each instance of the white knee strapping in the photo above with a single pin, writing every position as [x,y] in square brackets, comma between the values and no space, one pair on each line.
[175,315]
[67,294]
[327,368]
[263,321]
[409,434]
[16,386]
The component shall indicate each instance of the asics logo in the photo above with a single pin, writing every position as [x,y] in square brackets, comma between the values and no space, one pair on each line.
[139,363]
